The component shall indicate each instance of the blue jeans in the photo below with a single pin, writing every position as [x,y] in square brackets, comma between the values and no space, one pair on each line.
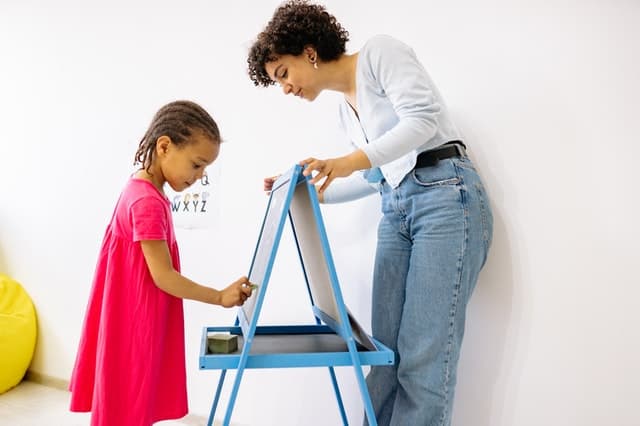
[433,239]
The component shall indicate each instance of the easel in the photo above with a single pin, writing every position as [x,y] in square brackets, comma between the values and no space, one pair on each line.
[335,340]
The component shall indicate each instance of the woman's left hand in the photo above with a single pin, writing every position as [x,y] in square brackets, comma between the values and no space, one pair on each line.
[334,167]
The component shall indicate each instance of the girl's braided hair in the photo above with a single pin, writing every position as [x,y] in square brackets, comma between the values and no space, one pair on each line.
[177,120]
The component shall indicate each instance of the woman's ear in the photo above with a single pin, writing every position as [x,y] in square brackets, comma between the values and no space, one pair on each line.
[311,53]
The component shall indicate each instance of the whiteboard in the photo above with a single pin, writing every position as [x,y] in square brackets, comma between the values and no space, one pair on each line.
[293,196]
[311,249]
[268,240]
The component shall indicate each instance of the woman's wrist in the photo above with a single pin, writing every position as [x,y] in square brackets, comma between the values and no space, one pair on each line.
[358,160]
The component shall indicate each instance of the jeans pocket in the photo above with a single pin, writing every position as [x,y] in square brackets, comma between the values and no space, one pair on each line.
[425,178]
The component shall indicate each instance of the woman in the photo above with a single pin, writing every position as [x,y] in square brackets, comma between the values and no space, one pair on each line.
[436,228]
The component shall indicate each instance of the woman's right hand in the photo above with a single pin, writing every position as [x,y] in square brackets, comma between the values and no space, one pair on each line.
[236,293]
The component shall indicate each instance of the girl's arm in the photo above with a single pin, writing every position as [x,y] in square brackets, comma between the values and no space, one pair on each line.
[156,254]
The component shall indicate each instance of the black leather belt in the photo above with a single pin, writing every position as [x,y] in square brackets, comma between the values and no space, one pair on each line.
[448,150]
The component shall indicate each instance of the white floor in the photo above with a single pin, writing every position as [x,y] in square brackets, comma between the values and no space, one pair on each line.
[31,404]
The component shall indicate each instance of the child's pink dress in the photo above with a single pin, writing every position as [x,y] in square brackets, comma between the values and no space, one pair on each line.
[130,367]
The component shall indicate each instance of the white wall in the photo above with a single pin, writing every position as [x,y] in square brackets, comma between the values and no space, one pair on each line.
[546,94]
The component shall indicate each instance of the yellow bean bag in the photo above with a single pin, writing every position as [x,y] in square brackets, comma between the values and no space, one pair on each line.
[17,332]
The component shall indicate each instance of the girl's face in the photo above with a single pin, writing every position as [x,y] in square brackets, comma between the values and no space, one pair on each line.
[296,75]
[182,165]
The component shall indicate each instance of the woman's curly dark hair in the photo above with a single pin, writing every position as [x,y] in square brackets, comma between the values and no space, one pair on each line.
[294,25]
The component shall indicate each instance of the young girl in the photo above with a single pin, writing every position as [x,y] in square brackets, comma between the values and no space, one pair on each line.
[436,228]
[130,366]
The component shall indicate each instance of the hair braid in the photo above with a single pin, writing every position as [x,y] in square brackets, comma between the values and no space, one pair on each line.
[177,120]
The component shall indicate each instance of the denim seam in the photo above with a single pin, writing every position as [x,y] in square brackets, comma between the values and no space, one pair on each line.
[399,210]
[485,224]
[456,294]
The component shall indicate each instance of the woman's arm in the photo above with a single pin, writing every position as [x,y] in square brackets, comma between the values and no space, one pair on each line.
[334,167]
[348,189]
[403,80]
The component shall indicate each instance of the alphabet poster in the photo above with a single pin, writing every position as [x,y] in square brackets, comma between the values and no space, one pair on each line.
[195,207]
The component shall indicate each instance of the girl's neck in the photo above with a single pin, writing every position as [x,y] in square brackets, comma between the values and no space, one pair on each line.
[154,177]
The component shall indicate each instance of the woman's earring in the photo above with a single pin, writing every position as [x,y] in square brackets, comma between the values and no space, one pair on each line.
[314,61]
[315,65]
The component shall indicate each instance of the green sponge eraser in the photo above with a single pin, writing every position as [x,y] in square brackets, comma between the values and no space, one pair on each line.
[221,343]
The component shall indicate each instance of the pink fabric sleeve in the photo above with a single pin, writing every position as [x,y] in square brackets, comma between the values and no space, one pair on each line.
[149,219]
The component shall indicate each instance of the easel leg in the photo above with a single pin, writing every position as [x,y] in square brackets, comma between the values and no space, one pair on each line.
[338,396]
[234,391]
[362,384]
[217,397]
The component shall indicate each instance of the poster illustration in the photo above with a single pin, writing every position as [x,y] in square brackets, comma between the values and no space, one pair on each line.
[195,207]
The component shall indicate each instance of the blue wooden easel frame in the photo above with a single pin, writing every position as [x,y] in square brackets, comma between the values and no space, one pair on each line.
[333,334]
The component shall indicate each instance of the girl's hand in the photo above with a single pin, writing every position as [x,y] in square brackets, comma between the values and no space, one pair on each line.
[236,293]
[334,168]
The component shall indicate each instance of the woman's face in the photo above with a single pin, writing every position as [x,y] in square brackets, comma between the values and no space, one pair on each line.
[296,75]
